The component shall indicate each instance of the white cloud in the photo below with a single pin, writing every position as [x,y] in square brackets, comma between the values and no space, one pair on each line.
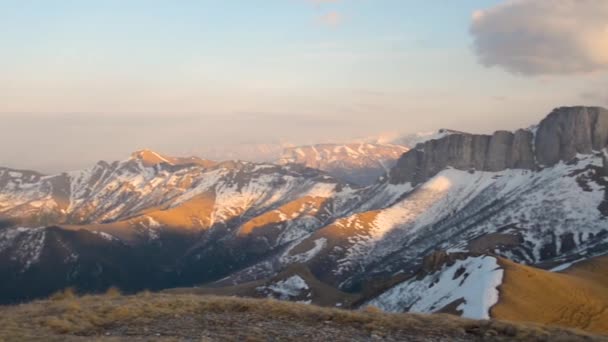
[536,37]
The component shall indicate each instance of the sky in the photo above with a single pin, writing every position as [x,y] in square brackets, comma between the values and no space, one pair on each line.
[84,80]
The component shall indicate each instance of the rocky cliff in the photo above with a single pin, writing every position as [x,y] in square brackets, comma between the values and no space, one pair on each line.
[563,134]
[571,130]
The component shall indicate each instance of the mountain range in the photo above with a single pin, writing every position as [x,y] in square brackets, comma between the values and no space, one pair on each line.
[470,224]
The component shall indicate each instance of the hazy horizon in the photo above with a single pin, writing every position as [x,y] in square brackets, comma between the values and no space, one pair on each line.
[92,80]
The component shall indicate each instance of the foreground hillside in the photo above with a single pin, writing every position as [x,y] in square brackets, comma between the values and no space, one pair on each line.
[574,296]
[166,317]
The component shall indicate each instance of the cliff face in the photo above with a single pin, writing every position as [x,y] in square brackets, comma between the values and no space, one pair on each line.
[464,151]
[571,130]
[559,137]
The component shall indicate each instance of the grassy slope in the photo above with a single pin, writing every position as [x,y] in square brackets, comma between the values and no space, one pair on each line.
[171,317]
[576,298]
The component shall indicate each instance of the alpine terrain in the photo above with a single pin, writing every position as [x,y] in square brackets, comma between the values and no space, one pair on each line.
[512,225]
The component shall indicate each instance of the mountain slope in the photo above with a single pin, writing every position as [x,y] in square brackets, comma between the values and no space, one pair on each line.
[532,217]
[467,287]
[487,286]
[180,216]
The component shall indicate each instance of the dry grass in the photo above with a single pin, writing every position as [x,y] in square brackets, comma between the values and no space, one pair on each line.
[67,293]
[577,298]
[187,316]
[113,292]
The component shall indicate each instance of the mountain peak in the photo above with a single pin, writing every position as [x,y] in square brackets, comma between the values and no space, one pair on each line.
[150,158]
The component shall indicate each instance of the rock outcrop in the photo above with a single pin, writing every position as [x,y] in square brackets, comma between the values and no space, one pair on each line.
[436,260]
[465,151]
[559,137]
[571,130]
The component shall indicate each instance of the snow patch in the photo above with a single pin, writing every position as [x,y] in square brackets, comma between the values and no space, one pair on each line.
[566,265]
[306,256]
[291,287]
[472,281]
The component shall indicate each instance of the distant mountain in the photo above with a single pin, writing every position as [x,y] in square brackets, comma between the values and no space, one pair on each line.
[252,152]
[358,162]
[361,163]
[437,233]
[151,158]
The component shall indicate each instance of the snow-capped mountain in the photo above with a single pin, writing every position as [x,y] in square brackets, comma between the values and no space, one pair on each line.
[360,163]
[176,207]
[477,193]
[535,196]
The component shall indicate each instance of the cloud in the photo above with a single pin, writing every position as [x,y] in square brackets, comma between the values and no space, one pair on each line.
[331,19]
[543,37]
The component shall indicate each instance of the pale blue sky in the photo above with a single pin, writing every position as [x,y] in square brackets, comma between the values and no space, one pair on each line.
[348,68]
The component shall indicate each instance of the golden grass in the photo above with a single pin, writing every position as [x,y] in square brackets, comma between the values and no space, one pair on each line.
[577,298]
[90,316]
[307,205]
[193,214]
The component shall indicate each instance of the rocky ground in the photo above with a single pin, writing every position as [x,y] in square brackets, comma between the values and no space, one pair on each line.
[171,317]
